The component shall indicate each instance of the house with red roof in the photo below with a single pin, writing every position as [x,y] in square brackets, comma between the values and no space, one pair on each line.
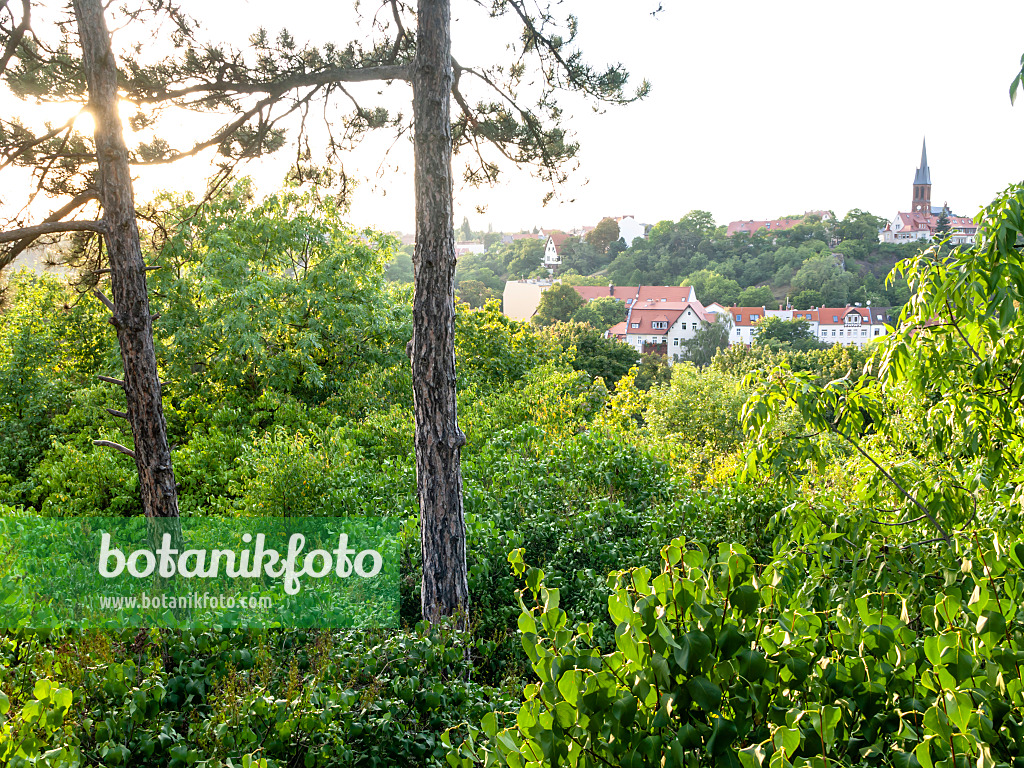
[661,326]
[553,250]
[772,225]
[847,326]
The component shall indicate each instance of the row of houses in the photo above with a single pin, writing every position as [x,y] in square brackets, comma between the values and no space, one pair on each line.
[659,318]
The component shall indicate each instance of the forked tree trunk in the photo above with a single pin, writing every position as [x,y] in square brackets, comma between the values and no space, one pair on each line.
[439,440]
[130,300]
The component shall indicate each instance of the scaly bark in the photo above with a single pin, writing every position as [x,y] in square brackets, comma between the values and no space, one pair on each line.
[439,441]
[130,300]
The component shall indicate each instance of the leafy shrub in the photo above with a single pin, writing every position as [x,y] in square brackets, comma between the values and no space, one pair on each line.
[718,662]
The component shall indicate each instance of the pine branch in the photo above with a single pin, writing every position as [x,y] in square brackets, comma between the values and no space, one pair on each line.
[17,34]
[52,228]
[76,202]
[277,88]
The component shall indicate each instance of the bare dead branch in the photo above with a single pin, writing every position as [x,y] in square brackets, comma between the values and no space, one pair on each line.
[109,380]
[106,302]
[105,270]
[116,446]
[119,414]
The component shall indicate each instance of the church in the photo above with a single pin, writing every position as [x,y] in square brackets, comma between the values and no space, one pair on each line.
[923,218]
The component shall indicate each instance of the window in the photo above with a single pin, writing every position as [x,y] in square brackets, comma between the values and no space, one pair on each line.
[695,326]
[876,331]
[840,331]
[739,318]
[833,333]
[738,332]
[835,318]
[878,316]
[753,318]
[675,342]
[634,325]
[863,331]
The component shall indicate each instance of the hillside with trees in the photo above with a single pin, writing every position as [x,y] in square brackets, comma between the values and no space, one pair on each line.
[831,263]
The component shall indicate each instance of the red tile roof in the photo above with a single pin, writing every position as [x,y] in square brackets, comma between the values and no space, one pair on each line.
[645,318]
[667,292]
[618,330]
[559,238]
[591,292]
[745,314]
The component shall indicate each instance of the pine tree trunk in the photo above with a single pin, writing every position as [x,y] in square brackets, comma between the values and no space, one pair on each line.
[131,315]
[439,440]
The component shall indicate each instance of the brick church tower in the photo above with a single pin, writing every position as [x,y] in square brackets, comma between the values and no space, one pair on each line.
[923,185]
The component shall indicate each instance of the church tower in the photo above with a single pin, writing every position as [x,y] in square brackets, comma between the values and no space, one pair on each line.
[923,185]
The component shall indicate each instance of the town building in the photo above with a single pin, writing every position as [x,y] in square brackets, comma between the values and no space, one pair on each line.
[553,250]
[773,225]
[630,229]
[660,326]
[922,221]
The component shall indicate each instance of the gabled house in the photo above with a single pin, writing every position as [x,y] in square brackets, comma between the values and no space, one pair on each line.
[553,250]
[660,326]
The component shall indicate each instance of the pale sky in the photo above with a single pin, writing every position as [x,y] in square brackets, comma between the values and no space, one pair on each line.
[757,110]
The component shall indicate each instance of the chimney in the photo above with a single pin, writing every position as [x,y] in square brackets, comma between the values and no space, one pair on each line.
[780,307]
[611,289]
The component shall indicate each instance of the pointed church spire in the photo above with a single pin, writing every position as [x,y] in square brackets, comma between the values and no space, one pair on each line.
[924,174]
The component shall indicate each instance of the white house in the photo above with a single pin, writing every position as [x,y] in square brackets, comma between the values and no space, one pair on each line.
[553,250]
[660,326]
[630,229]
[847,326]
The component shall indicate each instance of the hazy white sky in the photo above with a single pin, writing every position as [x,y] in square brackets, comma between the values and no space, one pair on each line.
[757,110]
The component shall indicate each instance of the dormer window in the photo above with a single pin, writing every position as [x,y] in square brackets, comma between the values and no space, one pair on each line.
[753,318]
[739,318]
[835,318]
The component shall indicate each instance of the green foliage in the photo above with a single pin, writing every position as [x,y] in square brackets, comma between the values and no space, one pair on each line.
[720,662]
[954,361]
[602,313]
[491,349]
[474,293]
[588,350]
[777,333]
[822,273]
[808,299]
[760,296]
[708,341]
[558,304]
[711,287]
[52,341]
[276,294]
[695,418]
[604,234]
